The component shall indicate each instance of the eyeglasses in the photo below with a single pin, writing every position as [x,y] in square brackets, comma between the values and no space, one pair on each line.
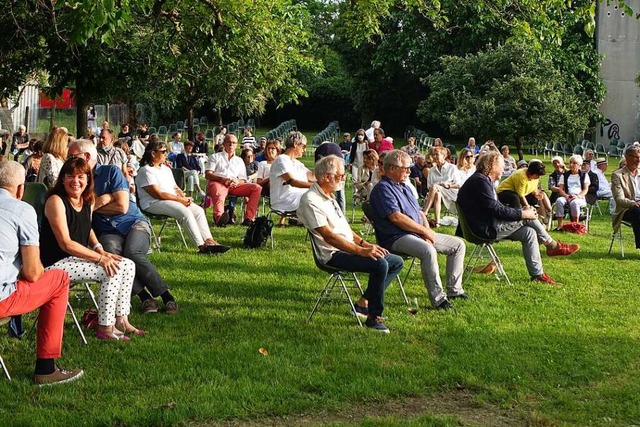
[469,156]
[161,151]
[404,168]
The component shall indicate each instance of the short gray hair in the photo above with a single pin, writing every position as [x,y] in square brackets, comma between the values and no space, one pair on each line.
[576,158]
[294,138]
[376,124]
[394,157]
[631,150]
[328,164]
[12,174]
[86,146]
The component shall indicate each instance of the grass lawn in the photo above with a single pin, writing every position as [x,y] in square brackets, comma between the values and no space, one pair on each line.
[527,354]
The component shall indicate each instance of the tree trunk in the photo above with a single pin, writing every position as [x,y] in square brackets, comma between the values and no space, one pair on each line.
[81,113]
[519,147]
[190,112]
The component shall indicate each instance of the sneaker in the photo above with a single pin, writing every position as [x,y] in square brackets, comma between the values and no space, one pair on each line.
[202,194]
[376,324]
[150,306]
[545,278]
[459,296]
[445,305]
[223,220]
[361,312]
[171,308]
[59,376]
[563,249]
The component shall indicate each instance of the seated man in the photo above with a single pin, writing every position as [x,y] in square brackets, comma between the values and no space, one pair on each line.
[489,218]
[122,228]
[625,186]
[25,285]
[227,175]
[110,155]
[20,142]
[604,187]
[289,178]
[325,149]
[402,228]
[343,249]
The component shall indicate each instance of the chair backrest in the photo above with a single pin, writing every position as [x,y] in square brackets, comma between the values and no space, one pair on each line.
[600,148]
[578,150]
[316,255]
[35,194]
[152,130]
[613,150]
[178,176]
[162,130]
[467,233]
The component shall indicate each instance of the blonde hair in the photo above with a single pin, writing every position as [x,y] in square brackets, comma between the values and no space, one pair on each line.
[57,144]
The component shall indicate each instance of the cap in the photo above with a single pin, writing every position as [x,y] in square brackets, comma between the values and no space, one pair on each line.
[601,161]
[263,138]
[558,158]
[522,163]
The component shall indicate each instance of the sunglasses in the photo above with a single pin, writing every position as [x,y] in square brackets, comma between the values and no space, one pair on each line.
[468,157]
[161,151]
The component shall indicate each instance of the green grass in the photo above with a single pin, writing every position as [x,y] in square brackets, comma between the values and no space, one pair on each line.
[545,355]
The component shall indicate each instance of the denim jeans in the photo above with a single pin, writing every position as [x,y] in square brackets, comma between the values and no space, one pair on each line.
[135,247]
[381,272]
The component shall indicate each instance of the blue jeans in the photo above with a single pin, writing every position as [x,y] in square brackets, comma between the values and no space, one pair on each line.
[135,247]
[381,272]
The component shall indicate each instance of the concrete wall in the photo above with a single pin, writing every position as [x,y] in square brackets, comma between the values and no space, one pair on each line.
[618,40]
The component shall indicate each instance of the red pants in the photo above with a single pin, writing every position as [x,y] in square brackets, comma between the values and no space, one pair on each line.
[218,192]
[50,294]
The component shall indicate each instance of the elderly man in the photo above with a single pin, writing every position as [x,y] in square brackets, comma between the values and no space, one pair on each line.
[588,156]
[343,249]
[402,228]
[489,218]
[417,173]
[122,228]
[227,175]
[19,142]
[625,186]
[604,187]
[369,132]
[25,286]
[110,155]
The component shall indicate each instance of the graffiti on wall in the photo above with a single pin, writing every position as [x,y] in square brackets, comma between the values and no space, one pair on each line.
[609,130]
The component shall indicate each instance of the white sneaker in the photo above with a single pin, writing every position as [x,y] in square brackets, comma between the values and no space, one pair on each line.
[202,194]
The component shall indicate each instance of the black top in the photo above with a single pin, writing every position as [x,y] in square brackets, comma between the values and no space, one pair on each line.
[79,224]
[478,201]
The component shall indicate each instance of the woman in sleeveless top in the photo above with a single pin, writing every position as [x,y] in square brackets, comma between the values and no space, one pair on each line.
[65,243]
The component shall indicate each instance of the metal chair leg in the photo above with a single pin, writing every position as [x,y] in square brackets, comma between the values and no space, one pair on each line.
[75,320]
[4,369]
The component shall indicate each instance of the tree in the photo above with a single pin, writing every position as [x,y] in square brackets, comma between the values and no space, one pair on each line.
[507,93]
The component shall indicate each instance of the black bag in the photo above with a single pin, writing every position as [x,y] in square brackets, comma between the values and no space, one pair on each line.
[258,233]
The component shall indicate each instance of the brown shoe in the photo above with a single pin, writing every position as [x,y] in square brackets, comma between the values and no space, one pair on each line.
[150,306]
[487,269]
[59,376]
[171,308]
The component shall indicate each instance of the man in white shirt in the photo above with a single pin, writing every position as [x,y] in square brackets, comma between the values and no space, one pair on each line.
[339,247]
[227,175]
[604,187]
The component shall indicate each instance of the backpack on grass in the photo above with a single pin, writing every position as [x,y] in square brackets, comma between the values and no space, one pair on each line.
[258,233]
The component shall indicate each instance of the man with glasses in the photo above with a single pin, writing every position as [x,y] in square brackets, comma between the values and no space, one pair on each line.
[340,247]
[227,175]
[402,227]
[625,186]
[110,155]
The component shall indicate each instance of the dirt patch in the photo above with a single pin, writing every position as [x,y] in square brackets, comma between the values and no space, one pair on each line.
[459,404]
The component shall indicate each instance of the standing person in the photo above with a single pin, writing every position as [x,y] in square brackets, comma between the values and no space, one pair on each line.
[159,194]
[19,142]
[66,238]
[219,138]
[226,174]
[625,186]
[490,219]
[343,249]
[402,227]
[122,229]
[289,178]
[359,146]
[91,118]
[380,143]
[25,284]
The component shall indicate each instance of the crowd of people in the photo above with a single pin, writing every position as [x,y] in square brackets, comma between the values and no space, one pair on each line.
[94,227]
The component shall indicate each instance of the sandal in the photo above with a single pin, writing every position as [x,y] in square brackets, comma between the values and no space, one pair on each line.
[113,336]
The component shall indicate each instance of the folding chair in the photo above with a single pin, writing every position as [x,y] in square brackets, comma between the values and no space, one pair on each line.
[164,218]
[4,321]
[481,244]
[87,289]
[337,279]
[286,214]
[618,233]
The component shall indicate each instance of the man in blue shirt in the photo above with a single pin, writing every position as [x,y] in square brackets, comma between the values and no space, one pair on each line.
[122,228]
[402,227]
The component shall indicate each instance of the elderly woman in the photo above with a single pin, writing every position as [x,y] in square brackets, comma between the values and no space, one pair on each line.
[573,187]
[509,162]
[443,183]
[368,176]
[54,155]
[466,166]
[65,241]
[159,194]
[264,167]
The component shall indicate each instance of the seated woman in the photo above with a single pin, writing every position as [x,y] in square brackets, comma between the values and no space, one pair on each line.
[558,169]
[368,176]
[159,194]
[192,169]
[264,167]
[176,147]
[65,241]
[466,166]
[250,164]
[573,185]
[443,183]
[411,148]
[54,155]
[32,163]
[521,189]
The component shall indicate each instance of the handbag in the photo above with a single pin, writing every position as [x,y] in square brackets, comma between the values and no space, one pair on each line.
[90,318]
